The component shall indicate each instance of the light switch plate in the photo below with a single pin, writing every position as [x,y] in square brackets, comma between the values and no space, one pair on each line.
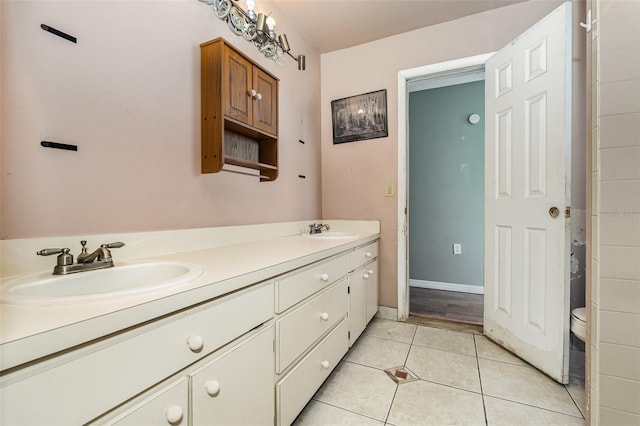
[457,248]
[388,190]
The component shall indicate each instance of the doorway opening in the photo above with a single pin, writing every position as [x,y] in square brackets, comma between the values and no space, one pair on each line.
[446,196]
[457,72]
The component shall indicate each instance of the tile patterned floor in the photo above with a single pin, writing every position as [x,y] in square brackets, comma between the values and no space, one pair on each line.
[464,379]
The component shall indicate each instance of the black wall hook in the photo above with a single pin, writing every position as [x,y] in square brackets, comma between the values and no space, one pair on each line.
[59,33]
[57,145]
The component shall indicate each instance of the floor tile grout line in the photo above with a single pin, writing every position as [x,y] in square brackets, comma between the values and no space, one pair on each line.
[391,405]
[346,409]
[415,331]
[536,406]
[406,358]
[573,399]
[444,350]
[484,406]
[448,386]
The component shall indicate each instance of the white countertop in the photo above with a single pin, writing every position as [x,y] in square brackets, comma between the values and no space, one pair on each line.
[28,332]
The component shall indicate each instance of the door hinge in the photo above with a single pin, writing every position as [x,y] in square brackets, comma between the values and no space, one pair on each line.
[349,335]
[567,212]
[405,210]
[349,290]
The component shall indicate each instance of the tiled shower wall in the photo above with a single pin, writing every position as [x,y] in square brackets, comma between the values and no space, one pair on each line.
[615,208]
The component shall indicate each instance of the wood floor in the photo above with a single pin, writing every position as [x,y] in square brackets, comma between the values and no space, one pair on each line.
[446,305]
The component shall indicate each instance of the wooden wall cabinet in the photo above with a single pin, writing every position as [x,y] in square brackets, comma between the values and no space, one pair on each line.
[239,111]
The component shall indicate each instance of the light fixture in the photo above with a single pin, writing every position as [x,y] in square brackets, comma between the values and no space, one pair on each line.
[255,27]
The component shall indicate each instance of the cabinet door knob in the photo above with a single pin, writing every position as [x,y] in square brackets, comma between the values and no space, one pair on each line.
[195,343]
[370,272]
[365,276]
[325,364]
[367,254]
[324,316]
[324,277]
[252,93]
[174,414]
[212,387]
[258,96]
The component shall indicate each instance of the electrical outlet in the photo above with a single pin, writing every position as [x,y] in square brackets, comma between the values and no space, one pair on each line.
[457,248]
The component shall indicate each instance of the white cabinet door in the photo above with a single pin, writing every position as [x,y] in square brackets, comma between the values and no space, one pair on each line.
[236,387]
[357,304]
[168,406]
[527,166]
[371,271]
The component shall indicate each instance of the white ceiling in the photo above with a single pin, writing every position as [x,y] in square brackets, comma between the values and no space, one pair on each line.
[330,25]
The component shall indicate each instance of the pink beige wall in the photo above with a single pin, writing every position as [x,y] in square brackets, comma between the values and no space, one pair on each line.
[354,174]
[614,350]
[128,94]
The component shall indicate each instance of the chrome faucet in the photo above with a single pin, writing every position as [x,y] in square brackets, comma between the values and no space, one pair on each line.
[100,258]
[316,228]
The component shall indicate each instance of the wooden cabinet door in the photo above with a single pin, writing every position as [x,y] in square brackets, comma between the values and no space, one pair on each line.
[237,82]
[265,109]
[236,387]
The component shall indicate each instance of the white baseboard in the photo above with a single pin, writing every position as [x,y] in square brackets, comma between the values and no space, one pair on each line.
[387,313]
[436,285]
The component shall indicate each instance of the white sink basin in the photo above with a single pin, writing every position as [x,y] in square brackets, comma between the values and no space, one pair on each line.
[99,285]
[332,234]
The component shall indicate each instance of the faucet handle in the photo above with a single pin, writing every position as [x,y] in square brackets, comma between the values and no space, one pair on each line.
[63,259]
[114,245]
[50,251]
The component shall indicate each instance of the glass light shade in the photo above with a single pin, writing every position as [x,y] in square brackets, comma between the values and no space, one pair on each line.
[271,23]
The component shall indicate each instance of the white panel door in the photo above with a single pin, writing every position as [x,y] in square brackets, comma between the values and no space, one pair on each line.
[527,187]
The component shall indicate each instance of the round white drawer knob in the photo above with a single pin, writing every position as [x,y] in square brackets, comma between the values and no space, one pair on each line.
[324,277]
[212,387]
[174,414]
[258,96]
[252,93]
[195,343]
[325,364]
[370,272]
[368,254]
[365,276]
[324,316]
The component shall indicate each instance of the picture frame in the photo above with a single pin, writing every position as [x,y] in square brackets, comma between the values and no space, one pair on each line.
[360,117]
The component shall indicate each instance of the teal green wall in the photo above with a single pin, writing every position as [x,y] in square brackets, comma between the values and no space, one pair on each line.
[446,184]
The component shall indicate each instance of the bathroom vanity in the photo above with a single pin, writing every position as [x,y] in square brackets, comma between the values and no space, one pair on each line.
[247,342]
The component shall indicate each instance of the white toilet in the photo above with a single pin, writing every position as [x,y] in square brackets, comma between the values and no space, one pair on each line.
[579,322]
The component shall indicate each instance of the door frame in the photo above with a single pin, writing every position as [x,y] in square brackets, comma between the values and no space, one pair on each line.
[470,63]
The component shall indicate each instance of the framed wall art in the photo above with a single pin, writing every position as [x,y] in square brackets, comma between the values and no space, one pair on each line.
[360,117]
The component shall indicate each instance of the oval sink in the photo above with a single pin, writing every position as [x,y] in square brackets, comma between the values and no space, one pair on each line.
[99,285]
[332,234]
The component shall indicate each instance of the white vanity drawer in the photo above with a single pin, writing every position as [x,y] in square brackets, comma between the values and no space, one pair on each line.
[296,331]
[169,403]
[362,255]
[296,286]
[298,386]
[71,390]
